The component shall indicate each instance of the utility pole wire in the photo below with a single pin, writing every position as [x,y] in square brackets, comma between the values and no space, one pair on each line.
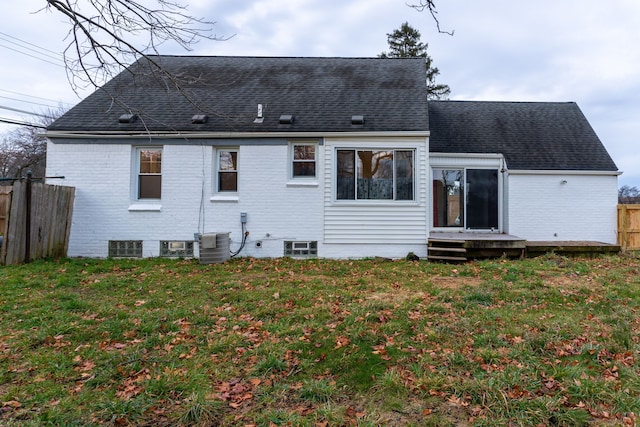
[29,102]
[32,56]
[58,55]
[34,97]
[19,123]
[17,110]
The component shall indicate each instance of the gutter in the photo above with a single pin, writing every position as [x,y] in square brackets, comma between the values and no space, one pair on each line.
[227,135]
[563,172]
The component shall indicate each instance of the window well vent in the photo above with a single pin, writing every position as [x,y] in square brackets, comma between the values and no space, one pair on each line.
[176,248]
[125,248]
[301,249]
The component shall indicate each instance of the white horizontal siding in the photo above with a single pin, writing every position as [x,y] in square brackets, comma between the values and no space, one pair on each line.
[369,222]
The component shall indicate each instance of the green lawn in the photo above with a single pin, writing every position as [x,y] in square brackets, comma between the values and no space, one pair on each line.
[542,341]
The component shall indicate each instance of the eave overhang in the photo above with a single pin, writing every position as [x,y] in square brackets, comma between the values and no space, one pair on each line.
[227,135]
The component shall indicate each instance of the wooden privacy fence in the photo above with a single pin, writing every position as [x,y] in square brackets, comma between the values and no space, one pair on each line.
[5,196]
[629,227]
[35,220]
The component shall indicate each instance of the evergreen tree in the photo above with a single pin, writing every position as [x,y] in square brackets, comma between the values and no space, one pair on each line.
[405,43]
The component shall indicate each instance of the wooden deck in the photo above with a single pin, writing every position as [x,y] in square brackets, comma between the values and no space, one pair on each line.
[459,247]
[572,247]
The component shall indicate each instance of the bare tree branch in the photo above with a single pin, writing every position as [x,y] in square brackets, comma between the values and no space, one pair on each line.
[431,7]
[106,36]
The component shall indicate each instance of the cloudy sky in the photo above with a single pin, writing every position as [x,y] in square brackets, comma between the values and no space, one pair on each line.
[502,50]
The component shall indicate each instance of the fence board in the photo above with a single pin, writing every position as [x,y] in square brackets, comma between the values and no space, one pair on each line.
[5,199]
[629,227]
[51,212]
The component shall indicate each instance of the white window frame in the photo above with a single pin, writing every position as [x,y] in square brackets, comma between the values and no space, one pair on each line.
[137,173]
[225,196]
[374,148]
[292,161]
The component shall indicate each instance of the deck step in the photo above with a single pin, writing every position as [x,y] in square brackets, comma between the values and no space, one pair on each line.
[446,241]
[447,250]
[443,249]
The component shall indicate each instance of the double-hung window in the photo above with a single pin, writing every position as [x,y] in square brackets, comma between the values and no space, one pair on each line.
[227,170]
[363,174]
[149,171]
[303,160]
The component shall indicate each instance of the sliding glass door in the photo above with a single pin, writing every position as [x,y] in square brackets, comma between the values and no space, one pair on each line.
[448,197]
[466,198]
[482,199]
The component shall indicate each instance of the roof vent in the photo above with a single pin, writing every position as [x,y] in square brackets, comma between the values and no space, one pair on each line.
[286,119]
[127,118]
[199,119]
[357,120]
[259,118]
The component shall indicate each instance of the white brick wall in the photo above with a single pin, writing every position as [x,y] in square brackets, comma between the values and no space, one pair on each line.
[541,207]
[276,211]
[103,178]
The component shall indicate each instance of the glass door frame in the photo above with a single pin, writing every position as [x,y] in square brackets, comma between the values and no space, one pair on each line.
[464,197]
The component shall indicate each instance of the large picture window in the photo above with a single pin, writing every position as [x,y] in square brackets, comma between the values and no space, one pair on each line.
[375,175]
[227,166]
[149,173]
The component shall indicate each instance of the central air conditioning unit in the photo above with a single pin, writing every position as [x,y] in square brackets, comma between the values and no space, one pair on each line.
[214,247]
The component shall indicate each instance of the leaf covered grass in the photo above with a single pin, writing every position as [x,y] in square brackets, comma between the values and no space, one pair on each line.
[548,341]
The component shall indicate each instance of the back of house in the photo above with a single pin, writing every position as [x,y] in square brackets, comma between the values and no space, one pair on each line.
[310,156]
[325,157]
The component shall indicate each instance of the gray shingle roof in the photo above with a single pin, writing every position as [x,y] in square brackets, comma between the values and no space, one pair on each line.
[530,135]
[322,94]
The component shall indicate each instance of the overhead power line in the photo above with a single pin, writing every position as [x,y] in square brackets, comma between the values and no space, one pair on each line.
[17,110]
[42,53]
[29,102]
[20,123]
[32,56]
[34,97]
[57,54]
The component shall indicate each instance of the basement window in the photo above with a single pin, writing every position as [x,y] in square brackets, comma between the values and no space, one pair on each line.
[301,249]
[176,248]
[125,248]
